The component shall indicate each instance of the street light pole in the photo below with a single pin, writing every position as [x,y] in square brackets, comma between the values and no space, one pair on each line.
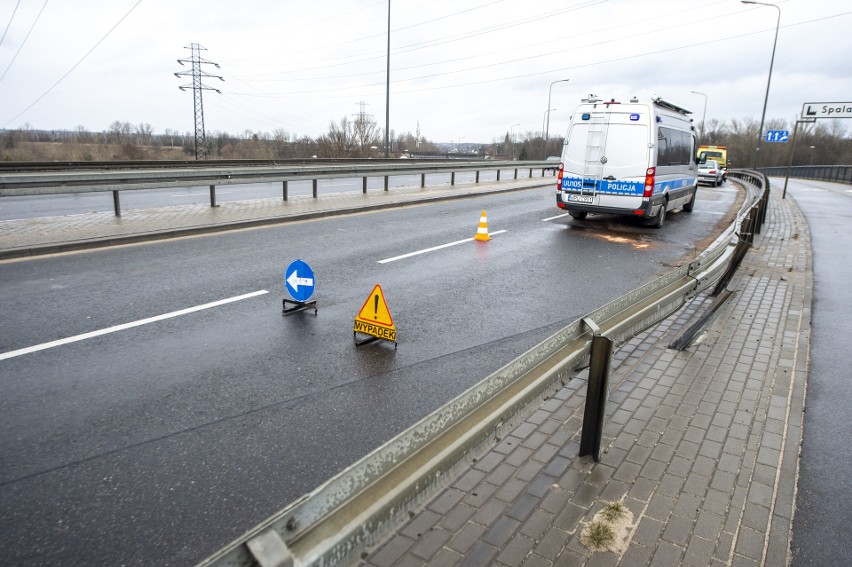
[546,114]
[547,129]
[703,115]
[387,89]
[769,79]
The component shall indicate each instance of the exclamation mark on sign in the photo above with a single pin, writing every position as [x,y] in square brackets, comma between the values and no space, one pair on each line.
[376,307]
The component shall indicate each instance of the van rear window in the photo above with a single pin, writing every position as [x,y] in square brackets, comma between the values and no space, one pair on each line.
[626,151]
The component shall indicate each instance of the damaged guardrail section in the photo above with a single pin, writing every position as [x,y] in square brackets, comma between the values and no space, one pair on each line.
[355,509]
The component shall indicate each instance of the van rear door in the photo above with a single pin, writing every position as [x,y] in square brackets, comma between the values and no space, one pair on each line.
[605,147]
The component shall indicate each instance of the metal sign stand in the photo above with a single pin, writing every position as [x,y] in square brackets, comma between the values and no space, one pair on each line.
[297,306]
[369,339]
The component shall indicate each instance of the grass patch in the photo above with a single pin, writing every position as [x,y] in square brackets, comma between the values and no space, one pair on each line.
[599,535]
[614,511]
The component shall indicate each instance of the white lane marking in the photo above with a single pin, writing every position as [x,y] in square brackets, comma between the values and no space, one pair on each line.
[556,217]
[410,254]
[122,327]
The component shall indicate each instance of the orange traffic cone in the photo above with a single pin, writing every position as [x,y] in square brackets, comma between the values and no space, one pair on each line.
[482,230]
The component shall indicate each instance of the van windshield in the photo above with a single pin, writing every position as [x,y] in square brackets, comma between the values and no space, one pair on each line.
[626,152]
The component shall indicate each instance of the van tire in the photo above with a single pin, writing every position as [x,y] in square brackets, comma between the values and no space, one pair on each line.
[660,219]
[579,215]
[691,204]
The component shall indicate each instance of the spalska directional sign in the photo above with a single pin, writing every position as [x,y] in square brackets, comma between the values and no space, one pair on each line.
[299,279]
[374,318]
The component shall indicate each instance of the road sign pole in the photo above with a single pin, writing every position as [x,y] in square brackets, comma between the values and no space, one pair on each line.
[793,150]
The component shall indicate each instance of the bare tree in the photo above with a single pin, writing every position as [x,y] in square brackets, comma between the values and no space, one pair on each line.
[119,132]
[365,135]
[339,141]
[144,133]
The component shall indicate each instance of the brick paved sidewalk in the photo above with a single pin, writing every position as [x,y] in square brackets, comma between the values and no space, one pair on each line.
[701,445]
[43,235]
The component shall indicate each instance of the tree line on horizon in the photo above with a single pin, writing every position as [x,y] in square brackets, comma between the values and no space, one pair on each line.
[825,142]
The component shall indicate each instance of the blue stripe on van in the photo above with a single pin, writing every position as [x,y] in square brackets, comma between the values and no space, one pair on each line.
[673,184]
[629,188]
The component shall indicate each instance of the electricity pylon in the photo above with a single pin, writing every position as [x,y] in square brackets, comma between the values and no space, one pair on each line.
[197,73]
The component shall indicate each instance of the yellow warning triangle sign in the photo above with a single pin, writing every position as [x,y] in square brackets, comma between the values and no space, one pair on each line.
[375,311]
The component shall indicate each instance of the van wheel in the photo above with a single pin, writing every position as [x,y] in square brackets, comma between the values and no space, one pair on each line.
[660,219]
[691,204]
[579,215]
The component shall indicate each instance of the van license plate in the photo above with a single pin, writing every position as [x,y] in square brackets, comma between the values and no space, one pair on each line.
[581,198]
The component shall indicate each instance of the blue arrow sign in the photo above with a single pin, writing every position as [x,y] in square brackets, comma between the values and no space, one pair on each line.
[299,280]
[777,135]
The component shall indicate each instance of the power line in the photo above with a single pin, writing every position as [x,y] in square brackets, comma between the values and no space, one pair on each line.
[12,17]
[315,92]
[9,66]
[62,78]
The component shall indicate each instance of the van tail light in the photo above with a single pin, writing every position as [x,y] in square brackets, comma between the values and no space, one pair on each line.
[559,177]
[649,181]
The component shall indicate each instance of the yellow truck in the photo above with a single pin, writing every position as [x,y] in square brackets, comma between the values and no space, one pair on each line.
[717,153]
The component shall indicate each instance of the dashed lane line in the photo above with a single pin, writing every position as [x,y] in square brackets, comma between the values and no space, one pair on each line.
[426,250]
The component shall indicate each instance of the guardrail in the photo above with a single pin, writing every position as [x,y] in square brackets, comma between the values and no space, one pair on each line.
[117,180]
[356,508]
[836,173]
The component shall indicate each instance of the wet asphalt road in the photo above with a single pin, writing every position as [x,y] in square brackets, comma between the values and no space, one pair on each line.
[824,499]
[160,443]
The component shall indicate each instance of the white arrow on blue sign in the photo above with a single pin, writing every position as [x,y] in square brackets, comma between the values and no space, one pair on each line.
[777,135]
[299,280]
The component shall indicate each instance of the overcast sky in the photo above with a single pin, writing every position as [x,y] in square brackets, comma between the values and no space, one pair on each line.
[465,70]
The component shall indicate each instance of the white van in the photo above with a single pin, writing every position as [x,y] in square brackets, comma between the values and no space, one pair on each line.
[633,158]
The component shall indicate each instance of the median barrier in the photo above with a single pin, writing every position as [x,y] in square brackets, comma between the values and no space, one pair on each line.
[85,180]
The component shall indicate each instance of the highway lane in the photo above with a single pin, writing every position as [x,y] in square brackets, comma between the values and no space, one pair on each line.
[34,206]
[159,443]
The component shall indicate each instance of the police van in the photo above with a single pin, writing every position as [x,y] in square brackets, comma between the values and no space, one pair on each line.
[632,158]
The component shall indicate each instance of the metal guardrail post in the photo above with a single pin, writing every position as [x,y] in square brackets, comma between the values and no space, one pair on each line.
[284,189]
[386,182]
[213,196]
[597,389]
[116,203]
[765,202]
